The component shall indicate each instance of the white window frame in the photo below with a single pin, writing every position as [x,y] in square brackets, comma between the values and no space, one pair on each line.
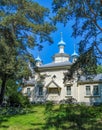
[95,90]
[68,90]
[29,92]
[88,90]
[40,91]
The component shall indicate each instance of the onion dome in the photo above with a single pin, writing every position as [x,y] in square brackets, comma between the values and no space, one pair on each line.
[38,59]
[75,54]
[74,57]
[61,43]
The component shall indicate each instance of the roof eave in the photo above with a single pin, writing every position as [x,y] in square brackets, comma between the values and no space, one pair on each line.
[54,67]
[88,82]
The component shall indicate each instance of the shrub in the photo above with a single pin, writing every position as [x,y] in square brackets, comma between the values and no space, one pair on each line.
[17,99]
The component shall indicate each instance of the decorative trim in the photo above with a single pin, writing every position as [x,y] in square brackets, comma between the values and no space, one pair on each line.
[52,81]
[42,69]
[67,96]
[28,85]
[88,96]
[89,82]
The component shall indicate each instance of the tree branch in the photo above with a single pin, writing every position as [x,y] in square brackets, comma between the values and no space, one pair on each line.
[99,51]
[95,17]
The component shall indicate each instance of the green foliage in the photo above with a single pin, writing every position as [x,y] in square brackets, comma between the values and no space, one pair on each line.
[23,26]
[63,117]
[99,69]
[9,111]
[15,98]
[49,106]
[86,16]
[82,116]
[77,116]
[86,64]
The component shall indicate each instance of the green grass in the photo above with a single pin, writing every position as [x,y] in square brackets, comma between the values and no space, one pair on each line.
[30,121]
[56,118]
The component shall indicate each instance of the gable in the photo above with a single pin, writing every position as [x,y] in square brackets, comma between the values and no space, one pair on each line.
[53,84]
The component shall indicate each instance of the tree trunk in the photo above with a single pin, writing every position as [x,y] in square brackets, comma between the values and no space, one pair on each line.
[2,92]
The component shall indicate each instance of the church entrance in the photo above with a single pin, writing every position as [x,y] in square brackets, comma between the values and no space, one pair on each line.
[53,91]
[53,94]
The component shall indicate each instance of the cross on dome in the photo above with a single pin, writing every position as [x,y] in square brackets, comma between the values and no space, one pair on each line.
[61,37]
[38,59]
[61,43]
[74,54]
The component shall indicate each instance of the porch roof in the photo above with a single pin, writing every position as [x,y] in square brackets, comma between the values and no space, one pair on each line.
[52,84]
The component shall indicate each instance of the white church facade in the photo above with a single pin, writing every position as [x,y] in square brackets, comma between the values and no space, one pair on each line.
[47,81]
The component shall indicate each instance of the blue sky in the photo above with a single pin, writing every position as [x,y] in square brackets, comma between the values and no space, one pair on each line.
[49,50]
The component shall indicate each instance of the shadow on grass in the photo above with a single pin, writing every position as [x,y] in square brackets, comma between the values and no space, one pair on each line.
[3,119]
[72,117]
[40,126]
[4,126]
[7,112]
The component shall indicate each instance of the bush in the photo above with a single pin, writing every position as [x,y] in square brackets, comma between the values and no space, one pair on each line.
[13,97]
[48,106]
[17,99]
[68,101]
[8,111]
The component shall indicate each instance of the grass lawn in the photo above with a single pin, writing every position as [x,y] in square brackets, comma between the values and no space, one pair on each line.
[34,120]
[55,118]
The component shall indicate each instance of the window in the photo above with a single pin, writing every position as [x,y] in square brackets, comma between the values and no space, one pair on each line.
[68,90]
[28,92]
[96,90]
[53,91]
[40,90]
[88,90]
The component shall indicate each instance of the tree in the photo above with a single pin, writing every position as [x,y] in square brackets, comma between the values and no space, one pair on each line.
[23,25]
[13,95]
[87,15]
[99,69]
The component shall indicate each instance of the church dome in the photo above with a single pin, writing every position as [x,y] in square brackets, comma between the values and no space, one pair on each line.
[74,57]
[38,59]
[75,54]
[61,43]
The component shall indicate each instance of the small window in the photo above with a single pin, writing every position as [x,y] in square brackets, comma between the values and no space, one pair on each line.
[28,92]
[53,90]
[40,91]
[88,90]
[96,90]
[68,90]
